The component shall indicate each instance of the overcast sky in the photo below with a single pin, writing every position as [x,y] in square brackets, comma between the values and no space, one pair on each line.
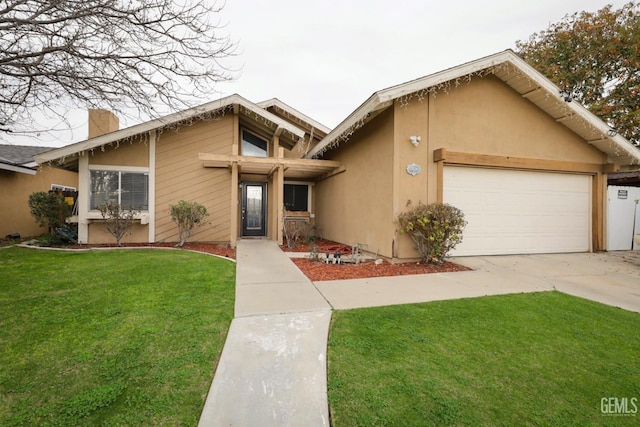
[325,58]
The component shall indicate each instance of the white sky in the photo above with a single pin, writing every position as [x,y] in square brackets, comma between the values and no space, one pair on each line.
[326,57]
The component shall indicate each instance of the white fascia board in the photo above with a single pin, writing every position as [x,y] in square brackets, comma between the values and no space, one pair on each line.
[280,123]
[371,104]
[145,127]
[387,95]
[275,102]
[17,168]
[445,76]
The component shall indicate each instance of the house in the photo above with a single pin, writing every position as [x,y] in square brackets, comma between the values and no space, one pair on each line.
[241,160]
[19,177]
[492,137]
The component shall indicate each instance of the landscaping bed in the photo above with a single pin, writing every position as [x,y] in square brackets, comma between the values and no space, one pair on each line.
[210,248]
[319,270]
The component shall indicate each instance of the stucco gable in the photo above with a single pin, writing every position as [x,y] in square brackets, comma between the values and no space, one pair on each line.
[514,72]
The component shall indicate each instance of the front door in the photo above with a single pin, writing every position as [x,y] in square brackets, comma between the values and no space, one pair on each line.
[254,201]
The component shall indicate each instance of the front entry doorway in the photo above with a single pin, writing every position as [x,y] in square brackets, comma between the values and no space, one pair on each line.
[254,202]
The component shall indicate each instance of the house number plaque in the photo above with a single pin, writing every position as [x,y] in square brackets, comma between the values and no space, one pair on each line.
[413,169]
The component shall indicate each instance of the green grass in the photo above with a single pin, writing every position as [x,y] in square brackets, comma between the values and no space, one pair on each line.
[527,359]
[110,338]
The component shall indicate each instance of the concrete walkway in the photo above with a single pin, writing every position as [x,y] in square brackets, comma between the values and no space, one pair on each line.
[610,278]
[272,371]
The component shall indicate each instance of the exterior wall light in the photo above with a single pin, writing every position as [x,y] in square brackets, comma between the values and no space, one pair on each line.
[612,132]
[415,140]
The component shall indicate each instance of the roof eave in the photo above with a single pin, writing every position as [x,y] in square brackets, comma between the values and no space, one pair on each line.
[385,97]
[275,102]
[17,168]
[165,121]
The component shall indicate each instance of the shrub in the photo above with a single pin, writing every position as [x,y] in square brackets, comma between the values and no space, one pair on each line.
[49,209]
[435,229]
[118,220]
[187,216]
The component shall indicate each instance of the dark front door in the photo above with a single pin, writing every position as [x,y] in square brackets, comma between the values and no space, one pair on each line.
[254,201]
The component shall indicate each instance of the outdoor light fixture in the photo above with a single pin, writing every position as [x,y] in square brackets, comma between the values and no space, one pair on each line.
[415,140]
[612,132]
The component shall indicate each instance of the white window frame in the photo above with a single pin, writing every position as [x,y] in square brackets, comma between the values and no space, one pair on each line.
[59,187]
[111,168]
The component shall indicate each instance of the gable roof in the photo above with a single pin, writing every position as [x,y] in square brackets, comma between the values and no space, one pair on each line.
[294,114]
[513,71]
[287,131]
[19,158]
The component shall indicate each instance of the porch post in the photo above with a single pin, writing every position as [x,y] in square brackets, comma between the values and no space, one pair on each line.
[235,150]
[279,199]
[234,205]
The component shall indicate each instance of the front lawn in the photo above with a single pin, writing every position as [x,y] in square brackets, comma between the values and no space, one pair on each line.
[526,359]
[127,337]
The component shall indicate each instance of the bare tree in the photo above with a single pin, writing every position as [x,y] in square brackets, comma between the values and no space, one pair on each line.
[117,54]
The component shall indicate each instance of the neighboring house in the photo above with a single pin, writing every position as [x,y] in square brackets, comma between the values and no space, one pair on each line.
[19,177]
[492,137]
[623,211]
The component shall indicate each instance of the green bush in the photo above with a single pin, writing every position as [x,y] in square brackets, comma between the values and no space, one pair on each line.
[49,209]
[435,229]
[187,215]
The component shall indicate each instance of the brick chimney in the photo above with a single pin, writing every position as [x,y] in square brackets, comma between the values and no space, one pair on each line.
[101,122]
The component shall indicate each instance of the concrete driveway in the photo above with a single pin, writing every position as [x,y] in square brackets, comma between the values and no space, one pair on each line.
[612,278]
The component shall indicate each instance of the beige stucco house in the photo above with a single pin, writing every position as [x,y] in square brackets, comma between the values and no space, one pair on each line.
[493,137]
[19,177]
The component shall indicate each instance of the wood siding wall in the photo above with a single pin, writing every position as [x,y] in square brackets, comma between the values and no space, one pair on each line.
[181,176]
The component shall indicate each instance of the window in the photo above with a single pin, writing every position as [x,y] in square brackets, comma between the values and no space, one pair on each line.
[253,145]
[57,187]
[296,197]
[128,189]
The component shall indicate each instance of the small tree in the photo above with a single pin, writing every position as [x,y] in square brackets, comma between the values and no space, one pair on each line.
[118,221]
[187,215]
[435,229]
[49,209]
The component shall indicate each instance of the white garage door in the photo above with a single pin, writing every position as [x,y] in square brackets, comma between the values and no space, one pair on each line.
[520,212]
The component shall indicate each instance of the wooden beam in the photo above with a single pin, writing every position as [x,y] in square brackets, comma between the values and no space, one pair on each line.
[472,159]
[334,172]
[531,92]
[439,154]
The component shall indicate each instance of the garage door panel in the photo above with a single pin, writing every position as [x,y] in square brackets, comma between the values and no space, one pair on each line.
[516,212]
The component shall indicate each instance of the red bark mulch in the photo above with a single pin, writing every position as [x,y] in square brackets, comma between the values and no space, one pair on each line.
[318,270]
[209,248]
